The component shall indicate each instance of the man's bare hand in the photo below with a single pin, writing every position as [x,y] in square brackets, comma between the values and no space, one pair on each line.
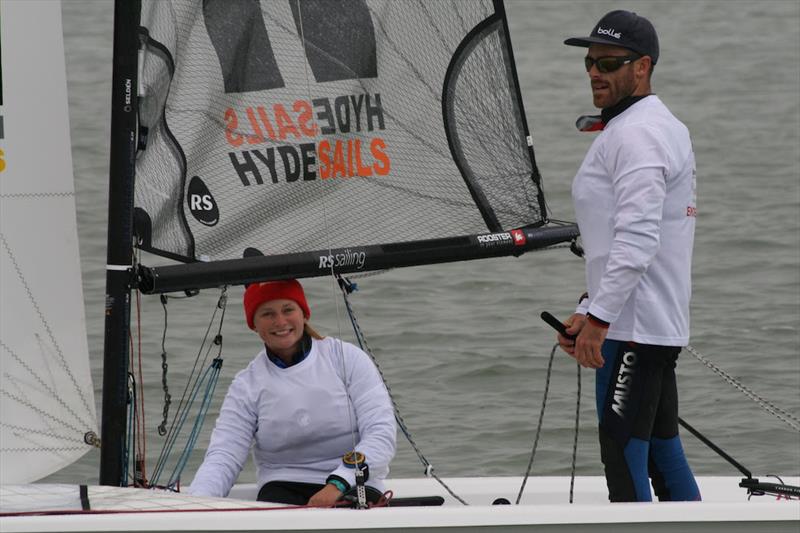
[588,344]
[574,325]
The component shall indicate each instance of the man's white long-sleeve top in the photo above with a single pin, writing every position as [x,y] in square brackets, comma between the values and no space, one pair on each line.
[635,203]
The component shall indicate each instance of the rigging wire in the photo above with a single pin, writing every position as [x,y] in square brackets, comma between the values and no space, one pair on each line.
[210,377]
[347,287]
[784,416]
[193,383]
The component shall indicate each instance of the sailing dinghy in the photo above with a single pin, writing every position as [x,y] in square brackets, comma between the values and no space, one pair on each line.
[264,144]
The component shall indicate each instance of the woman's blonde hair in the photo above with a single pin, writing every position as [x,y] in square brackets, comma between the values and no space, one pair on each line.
[311,332]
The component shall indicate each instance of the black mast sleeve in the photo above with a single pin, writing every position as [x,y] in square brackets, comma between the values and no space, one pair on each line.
[120,229]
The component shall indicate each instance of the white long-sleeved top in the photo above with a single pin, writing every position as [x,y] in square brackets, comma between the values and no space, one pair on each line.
[635,203]
[298,420]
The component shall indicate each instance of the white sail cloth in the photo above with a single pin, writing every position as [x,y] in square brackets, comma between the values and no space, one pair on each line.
[46,395]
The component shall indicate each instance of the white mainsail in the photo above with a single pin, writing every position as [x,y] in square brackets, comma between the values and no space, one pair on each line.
[46,394]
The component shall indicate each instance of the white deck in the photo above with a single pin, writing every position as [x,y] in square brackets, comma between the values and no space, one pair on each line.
[544,508]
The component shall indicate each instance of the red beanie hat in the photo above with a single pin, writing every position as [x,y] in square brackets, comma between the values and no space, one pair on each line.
[258,293]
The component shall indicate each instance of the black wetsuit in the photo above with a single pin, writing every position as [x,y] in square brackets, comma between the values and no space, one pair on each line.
[637,404]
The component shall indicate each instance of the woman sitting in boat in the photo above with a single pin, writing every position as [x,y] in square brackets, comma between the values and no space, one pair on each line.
[305,401]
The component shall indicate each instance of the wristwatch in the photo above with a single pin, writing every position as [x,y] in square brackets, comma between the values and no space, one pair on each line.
[357,461]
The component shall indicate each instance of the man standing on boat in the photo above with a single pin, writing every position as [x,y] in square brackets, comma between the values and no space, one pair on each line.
[634,197]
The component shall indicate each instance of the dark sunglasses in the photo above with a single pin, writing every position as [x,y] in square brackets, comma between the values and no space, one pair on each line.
[608,63]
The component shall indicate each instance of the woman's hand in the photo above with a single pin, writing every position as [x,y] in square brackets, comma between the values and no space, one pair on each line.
[327,496]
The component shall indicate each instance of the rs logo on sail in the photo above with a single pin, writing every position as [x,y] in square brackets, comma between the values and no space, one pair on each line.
[622,388]
[202,205]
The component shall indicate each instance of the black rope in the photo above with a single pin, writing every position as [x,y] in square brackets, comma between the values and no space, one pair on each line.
[539,425]
[162,428]
[575,442]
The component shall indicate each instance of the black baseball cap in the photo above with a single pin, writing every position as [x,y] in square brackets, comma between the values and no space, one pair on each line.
[625,29]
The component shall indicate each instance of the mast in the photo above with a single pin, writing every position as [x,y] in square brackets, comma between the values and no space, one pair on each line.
[120,230]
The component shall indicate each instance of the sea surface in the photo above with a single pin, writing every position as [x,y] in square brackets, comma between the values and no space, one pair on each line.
[461,345]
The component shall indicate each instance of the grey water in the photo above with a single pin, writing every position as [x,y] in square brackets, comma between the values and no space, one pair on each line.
[461,345]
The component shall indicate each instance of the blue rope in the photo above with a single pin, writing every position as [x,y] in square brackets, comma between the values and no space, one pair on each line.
[213,371]
[210,378]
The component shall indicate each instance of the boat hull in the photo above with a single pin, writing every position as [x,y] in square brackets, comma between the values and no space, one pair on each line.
[545,507]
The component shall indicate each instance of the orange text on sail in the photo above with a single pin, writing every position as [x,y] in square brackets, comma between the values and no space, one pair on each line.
[268,140]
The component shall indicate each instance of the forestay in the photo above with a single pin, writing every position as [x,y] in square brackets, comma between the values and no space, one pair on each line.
[283,127]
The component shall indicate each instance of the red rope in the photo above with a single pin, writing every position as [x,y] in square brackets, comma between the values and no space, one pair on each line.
[142,511]
[382,502]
